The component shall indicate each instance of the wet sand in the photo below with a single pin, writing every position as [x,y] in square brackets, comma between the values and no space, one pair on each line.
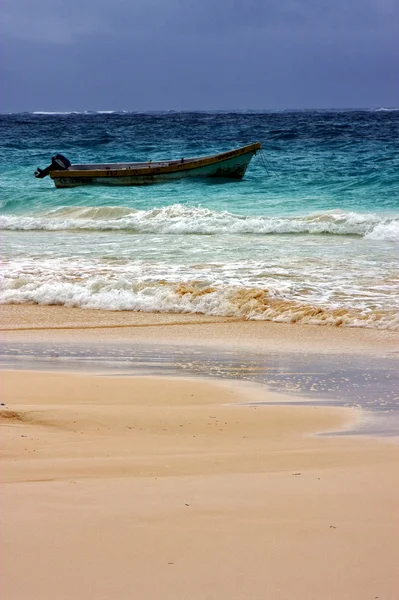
[118,487]
[160,488]
[43,323]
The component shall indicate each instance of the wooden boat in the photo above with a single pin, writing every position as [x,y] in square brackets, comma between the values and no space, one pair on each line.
[232,164]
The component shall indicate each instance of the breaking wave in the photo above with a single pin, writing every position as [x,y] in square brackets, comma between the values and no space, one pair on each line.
[76,112]
[55,112]
[180,219]
[219,300]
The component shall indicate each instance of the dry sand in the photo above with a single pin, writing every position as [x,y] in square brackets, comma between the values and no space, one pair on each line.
[144,488]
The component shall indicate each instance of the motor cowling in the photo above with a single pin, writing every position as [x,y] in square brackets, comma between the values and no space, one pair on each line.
[58,163]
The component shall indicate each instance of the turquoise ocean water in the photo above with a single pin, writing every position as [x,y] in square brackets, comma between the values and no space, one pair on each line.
[310,235]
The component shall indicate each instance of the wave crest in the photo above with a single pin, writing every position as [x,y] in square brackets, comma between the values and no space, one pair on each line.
[190,297]
[180,219]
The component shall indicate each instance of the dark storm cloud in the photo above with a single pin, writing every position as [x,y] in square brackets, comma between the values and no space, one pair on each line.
[203,54]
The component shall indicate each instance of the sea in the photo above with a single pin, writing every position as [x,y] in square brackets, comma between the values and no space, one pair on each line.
[310,235]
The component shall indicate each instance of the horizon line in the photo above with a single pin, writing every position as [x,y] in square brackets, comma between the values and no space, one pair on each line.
[193,110]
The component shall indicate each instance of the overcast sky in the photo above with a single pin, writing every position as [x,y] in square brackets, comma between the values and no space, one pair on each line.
[198,54]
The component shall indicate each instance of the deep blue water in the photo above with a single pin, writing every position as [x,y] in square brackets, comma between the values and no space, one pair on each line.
[315,160]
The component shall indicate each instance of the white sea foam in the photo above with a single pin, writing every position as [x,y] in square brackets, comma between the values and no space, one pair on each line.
[235,289]
[388,231]
[252,304]
[329,281]
[179,219]
[77,112]
[55,112]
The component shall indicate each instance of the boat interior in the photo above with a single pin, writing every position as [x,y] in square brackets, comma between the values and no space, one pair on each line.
[135,165]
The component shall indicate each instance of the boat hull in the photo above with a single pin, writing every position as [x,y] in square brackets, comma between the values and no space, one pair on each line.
[232,165]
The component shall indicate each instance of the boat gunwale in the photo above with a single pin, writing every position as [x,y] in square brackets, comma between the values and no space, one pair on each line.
[152,169]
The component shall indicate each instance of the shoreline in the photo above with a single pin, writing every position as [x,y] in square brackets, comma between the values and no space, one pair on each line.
[167,487]
[326,365]
[46,323]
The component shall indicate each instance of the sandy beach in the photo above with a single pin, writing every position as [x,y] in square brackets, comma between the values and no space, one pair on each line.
[30,322]
[199,318]
[162,488]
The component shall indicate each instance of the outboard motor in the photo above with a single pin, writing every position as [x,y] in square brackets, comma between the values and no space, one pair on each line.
[58,163]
